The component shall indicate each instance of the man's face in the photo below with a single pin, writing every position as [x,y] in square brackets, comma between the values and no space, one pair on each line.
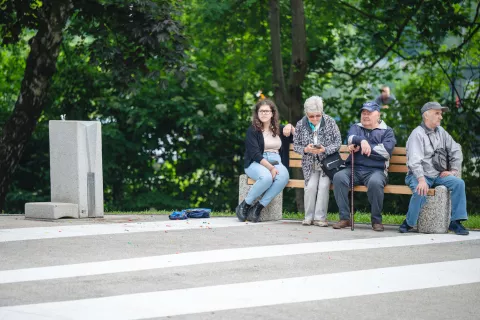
[369,119]
[433,118]
[385,92]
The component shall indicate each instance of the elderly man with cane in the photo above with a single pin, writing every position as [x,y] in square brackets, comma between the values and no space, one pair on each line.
[372,142]
[433,159]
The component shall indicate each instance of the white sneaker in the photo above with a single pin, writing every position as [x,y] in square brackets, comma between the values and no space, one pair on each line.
[307,222]
[320,223]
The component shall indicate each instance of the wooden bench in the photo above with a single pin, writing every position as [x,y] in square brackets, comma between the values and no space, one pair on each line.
[398,164]
[434,217]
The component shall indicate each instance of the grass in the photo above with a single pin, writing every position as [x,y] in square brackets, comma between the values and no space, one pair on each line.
[473,221]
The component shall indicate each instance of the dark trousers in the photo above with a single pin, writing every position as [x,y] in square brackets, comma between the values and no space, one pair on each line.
[374,180]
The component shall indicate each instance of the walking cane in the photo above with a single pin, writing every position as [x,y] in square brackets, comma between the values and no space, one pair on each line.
[352,220]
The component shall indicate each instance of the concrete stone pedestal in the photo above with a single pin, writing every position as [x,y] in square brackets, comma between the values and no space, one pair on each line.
[50,210]
[271,212]
[76,174]
[435,214]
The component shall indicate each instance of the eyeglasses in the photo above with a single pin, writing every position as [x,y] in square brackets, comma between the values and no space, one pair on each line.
[264,111]
[313,116]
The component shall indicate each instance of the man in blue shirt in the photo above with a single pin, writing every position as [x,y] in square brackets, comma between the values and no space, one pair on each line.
[372,142]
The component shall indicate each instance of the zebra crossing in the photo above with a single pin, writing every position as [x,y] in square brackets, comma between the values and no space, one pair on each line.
[221,268]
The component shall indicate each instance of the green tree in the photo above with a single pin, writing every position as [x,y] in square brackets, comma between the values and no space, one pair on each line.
[124,34]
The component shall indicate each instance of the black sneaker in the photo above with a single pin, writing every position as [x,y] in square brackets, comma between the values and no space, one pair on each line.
[404,227]
[456,226]
[254,212]
[242,210]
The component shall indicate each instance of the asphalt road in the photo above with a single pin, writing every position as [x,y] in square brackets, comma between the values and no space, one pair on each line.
[147,267]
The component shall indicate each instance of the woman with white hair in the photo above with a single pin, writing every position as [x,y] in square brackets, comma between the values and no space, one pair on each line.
[316,136]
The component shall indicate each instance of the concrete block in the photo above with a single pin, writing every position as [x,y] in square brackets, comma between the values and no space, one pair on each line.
[76,171]
[272,212]
[435,214]
[51,210]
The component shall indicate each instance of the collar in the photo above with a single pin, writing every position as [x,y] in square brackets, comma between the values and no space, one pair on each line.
[427,129]
[310,126]
[382,125]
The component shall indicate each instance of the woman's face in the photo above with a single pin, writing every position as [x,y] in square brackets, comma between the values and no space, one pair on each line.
[314,117]
[265,114]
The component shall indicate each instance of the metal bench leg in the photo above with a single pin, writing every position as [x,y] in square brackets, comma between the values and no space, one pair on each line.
[435,214]
[272,212]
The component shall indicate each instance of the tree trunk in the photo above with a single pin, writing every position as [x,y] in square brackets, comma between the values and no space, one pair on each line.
[298,67]
[289,100]
[39,70]
[279,88]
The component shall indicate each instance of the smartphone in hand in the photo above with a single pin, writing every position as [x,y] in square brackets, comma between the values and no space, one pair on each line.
[317,146]
[273,162]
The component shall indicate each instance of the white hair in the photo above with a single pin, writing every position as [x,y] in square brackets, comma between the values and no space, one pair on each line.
[425,115]
[313,104]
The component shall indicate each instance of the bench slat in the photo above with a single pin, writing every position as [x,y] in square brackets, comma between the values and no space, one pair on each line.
[294,155]
[397,168]
[296,183]
[295,163]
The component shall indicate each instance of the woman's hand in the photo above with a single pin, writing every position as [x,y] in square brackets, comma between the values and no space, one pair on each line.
[274,172]
[311,149]
[288,129]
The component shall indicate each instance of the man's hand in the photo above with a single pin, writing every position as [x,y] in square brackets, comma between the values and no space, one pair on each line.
[288,129]
[354,148]
[446,173]
[366,149]
[422,187]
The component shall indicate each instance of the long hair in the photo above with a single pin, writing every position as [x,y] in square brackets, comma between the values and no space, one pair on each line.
[274,122]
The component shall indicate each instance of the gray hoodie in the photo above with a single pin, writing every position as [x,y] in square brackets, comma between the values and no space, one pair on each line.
[420,151]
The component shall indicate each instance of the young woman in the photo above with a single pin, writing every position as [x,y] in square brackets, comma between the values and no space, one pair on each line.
[266,159]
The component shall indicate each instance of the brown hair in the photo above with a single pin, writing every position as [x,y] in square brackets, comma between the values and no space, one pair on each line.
[274,122]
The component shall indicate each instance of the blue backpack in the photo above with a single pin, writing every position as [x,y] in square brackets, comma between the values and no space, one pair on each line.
[190,213]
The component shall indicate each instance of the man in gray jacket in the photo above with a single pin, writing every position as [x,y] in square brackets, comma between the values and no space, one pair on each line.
[424,174]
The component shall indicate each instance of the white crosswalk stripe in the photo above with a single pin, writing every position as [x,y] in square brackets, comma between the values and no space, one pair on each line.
[202,257]
[459,265]
[254,294]
[22,234]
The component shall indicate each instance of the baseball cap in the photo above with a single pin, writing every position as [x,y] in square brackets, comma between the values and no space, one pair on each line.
[371,106]
[433,105]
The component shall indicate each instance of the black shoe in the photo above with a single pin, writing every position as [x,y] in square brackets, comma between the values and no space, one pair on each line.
[404,227]
[456,226]
[242,210]
[254,212]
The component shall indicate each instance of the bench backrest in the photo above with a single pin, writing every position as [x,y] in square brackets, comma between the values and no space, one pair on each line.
[398,161]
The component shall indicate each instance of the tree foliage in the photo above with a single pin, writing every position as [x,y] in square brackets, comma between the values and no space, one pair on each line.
[172,141]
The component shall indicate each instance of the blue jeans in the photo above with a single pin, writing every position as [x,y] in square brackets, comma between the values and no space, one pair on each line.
[264,182]
[453,184]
